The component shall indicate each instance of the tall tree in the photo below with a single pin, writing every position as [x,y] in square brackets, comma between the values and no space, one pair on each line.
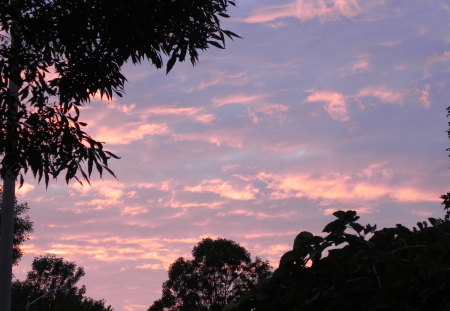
[83,44]
[23,226]
[220,271]
[356,267]
[53,284]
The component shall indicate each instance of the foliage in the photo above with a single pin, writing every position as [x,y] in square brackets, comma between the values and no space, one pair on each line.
[56,279]
[55,55]
[220,271]
[23,226]
[356,267]
[62,52]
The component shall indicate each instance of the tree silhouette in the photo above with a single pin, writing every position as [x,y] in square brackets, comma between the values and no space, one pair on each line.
[220,271]
[23,226]
[55,280]
[356,267]
[54,56]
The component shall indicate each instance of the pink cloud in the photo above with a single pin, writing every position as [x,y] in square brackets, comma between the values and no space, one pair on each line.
[271,110]
[146,185]
[133,210]
[151,266]
[376,171]
[126,133]
[342,187]
[383,94]
[100,194]
[218,78]
[114,249]
[238,99]
[229,168]
[106,188]
[218,139]
[195,113]
[424,96]
[269,234]
[26,187]
[336,105]
[410,194]
[422,212]
[361,64]
[125,109]
[225,189]
[209,205]
[259,215]
[442,58]
[305,10]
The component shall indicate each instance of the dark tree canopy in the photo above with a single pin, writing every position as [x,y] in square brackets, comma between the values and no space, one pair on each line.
[356,267]
[23,226]
[59,278]
[85,43]
[219,272]
[60,53]
[54,56]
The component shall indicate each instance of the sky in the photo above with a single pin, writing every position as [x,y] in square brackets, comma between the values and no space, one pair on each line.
[322,105]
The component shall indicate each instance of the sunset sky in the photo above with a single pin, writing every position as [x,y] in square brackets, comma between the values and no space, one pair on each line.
[323,105]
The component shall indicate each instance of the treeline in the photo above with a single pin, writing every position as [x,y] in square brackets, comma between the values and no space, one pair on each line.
[351,267]
[52,282]
[356,267]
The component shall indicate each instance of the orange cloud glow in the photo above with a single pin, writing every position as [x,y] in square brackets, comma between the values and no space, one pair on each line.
[26,187]
[341,187]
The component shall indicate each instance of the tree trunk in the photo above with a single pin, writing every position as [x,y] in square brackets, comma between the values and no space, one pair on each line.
[6,242]
[10,170]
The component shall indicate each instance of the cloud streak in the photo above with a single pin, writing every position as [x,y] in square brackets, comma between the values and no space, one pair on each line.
[305,10]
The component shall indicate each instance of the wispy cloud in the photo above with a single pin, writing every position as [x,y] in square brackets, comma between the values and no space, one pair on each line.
[260,111]
[342,187]
[362,63]
[133,210]
[336,106]
[115,249]
[26,187]
[305,10]
[198,114]
[225,189]
[384,94]
[389,43]
[123,134]
[219,78]
[440,58]
[238,99]
[424,96]
[217,138]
